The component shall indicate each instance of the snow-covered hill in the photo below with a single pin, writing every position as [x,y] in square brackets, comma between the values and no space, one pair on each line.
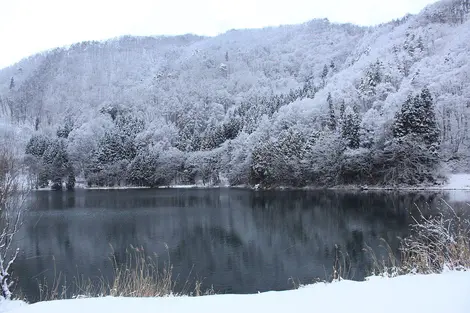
[250,106]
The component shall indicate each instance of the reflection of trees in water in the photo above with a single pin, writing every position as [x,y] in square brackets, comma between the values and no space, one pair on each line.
[207,252]
[319,221]
[237,240]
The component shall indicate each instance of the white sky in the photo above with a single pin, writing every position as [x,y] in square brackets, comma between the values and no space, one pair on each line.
[30,26]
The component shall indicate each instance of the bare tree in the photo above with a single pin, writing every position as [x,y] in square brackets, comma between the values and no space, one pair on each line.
[12,200]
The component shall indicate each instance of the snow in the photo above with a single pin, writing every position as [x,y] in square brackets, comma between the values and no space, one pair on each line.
[458,182]
[7,306]
[113,188]
[447,292]
[185,186]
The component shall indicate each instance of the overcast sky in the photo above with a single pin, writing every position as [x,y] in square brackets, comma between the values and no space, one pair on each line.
[30,26]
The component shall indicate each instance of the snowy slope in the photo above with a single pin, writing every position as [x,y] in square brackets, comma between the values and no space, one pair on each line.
[210,102]
[446,292]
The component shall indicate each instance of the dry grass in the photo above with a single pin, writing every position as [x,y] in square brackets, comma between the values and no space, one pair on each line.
[436,243]
[341,266]
[57,290]
[140,276]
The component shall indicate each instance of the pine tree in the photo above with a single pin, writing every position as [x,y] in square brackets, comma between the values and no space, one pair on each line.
[142,169]
[332,66]
[115,147]
[402,125]
[350,128]
[70,185]
[12,83]
[308,89]
[428,126]
[342,108]
[66,129]
[56,159]
[332,117]
[417,117]
[37,145]
[129,125]
[324,73]
[372,78]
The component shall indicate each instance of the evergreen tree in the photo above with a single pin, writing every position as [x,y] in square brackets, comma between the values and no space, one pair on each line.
[372,78]
[142,169]
[70,185]
[402,125]
[324,73]
[114,147]
[37,121]
[332,117]
[231,128]
[56,160]
[417,117]
[342,108]
[428,126]
[35,150]
[414,153]
[129,125]
[263,170]
[64,131]
[350,129]
[332,65]
[12,83]
[308,90]
[37,145]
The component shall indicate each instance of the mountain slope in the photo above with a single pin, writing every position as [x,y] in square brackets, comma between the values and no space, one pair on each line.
[252,106]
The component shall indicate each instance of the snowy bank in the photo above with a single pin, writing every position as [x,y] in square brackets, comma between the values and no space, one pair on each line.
[458,182]
[455,182]
[447,292]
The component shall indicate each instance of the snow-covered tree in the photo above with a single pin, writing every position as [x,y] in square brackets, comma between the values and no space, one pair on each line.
[350,128]
[208,114]
[332,117]
[417,117]
[12,209]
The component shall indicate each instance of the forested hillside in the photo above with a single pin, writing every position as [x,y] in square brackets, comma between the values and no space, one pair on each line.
[316,104]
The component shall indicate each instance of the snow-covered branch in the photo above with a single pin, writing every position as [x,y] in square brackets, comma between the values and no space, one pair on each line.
[12,200]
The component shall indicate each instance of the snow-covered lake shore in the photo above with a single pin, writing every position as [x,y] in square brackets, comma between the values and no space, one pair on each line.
[455,182]
[447,292]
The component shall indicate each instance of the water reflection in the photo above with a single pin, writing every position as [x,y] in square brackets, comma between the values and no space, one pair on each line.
[237,241]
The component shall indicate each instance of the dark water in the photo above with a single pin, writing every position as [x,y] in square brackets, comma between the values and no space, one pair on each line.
[238,241]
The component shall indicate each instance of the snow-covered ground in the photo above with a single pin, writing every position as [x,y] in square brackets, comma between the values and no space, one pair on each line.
[458,182]
[447,292]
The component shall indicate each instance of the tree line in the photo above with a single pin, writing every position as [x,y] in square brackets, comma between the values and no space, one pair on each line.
[336,153]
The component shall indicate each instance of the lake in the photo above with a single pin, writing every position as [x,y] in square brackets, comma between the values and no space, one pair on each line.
[234,240]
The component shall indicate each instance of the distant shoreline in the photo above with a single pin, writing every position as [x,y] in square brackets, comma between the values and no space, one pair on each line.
[455,182]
